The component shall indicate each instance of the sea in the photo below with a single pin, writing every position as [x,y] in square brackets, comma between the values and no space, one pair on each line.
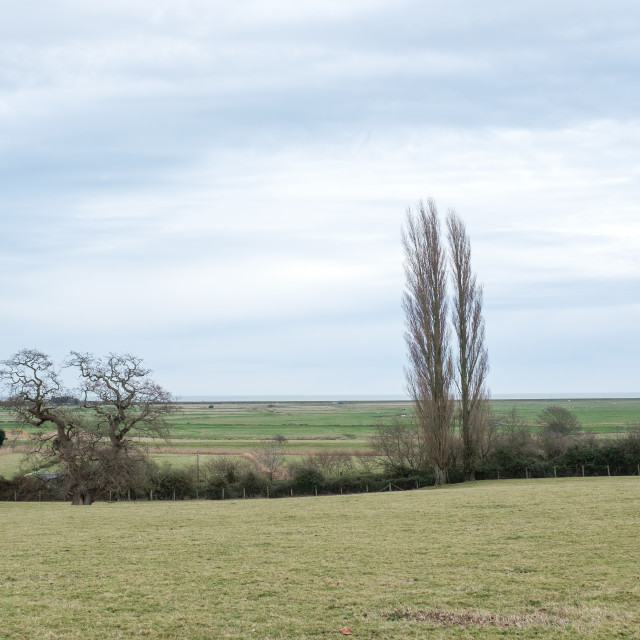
[398,397]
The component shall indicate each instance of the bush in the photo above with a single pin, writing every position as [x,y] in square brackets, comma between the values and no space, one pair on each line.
[252,483]
[224,470]
[305,477]
[3,436]
[168,482]
[558,421]
[512,452]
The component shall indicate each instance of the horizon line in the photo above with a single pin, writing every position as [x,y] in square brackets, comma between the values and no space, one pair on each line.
[391,397]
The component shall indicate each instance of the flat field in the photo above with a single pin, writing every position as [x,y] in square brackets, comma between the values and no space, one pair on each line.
[236,427]
[349,420]
[500,559]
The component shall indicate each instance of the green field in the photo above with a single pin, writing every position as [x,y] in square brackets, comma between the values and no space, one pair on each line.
[359,419]
[527,559]
[9,463]
[234,427]
[293,420]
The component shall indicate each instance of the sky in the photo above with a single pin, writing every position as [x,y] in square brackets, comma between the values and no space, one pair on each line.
[220,187]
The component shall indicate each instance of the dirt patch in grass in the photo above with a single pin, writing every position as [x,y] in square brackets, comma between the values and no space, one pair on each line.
[466,619]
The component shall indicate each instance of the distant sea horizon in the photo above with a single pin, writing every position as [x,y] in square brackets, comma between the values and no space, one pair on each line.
[398,397]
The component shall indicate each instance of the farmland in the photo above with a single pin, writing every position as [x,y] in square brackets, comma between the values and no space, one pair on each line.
[236,427]
[543,559]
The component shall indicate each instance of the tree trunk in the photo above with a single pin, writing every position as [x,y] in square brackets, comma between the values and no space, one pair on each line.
[81,497]
[440,474]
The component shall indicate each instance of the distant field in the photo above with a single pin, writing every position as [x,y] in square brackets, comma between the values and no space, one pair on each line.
[544,559]
[234,427]
[600,415]
[291,419]
[359,419]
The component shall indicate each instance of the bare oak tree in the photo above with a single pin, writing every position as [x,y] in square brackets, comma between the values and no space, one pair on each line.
[429,376]
[472,361]
[61,434]
[91,444]
[124,399]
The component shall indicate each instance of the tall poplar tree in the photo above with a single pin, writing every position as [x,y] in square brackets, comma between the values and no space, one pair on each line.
[429,376]
[472,363]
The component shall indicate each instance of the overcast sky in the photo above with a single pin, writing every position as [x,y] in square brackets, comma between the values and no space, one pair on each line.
[220,187]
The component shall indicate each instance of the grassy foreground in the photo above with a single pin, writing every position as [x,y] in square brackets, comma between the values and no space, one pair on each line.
[543,559]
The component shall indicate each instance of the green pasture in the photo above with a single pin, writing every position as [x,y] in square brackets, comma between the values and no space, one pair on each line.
[358,420]
[554,559]
[311,427]
[9,463]
[600,415]
[293,420]
[355,420]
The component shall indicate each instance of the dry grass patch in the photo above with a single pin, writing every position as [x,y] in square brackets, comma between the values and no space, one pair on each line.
[466,619]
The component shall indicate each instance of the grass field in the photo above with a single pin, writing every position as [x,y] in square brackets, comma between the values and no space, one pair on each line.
[527,559]
[350,420]
[9,463]
[235,427]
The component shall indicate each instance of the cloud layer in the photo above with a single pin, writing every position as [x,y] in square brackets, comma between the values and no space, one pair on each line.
[220,188]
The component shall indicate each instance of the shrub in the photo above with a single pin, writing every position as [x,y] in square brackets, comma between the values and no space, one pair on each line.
[168,482]
[224,470]
[305,477]
[558,421]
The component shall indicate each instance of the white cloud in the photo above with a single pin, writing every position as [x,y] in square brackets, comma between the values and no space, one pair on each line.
[178,169]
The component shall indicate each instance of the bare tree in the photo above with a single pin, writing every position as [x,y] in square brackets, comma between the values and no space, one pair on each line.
[472,361]
[271,455]
[91,445]
[400,447]
[429,376]
[62,436]
[124,398]
[331,464]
